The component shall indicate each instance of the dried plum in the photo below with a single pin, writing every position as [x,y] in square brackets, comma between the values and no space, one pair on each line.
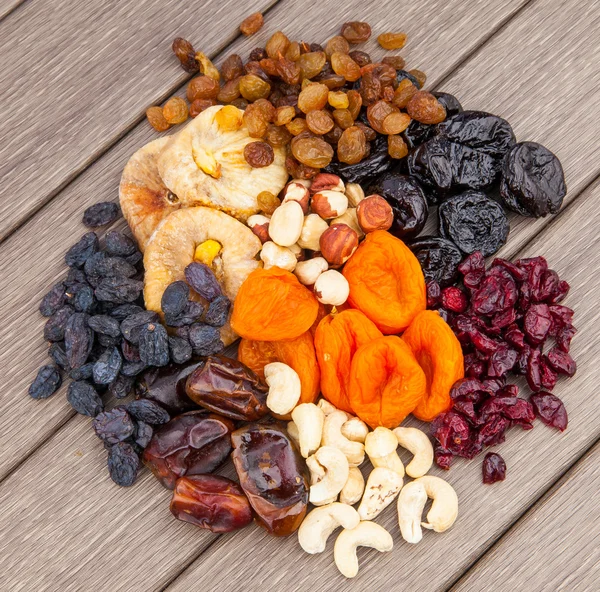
[79,339]
[217,312]
[105,325]
[84,398]
[113,426]
[180,350]
[119,290]
[408,202]
[439,258]
[154,345]
[116,243]
[54,329]
[403,74]
[474,222]
[46,382]
[202,280]
[175,298]
[123,464]
[132,325]
[205,340]
[53,300]
[416,133]
[57,352]
[121,386]
[148,411]
[108,366]
[82,250]
[101,214]
[449,102]
[533,182]
[493,468]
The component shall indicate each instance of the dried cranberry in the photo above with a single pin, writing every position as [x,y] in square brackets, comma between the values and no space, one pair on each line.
[564,336]
[468,388]
[550,409]
[561,362]
[547,374]
[492,432]
[501,361]
[494,468]
[443,459]
[536,323]
[515,336]
[454,299]
[534,370]
[560,293]
[504,318]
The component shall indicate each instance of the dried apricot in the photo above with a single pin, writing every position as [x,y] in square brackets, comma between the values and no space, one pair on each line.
[337,338]
[272,305]
[439,354]
[386,282]
[386,382]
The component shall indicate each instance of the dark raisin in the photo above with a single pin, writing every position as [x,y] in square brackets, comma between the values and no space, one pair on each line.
[186,55]
[133,368]
[132,325]
[148,411]
[175,298]
[107,340]
[143,434]
[84,372]
[125,310]
[46,382]
[104,324]
[101,214]
[259,154]
[217,311]
[154,345]
[123,464]
[121,386]
[193,311]
[81,297]
[108,366]
[550,409]
[402,74]
[439,258]
[494,468]
[130,352]
[110,267]
[202,280]
[57,352]
[180,350]
[134,259]
[53,300]
[79,339]
[118,244]
[113,426]
[74,277]
[84,398]
[205,340]
[360,57]
[81,251]
[54,329]
[257,54]
[119,290]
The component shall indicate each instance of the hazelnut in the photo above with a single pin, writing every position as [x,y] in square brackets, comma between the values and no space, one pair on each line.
[308,271]
[273,255]
[304,182]
[326,182]
[314,226]
[259,225]
[298,251]
[350,218]
[332,288]
[329,204]
[298,193]
[355,194]
[374,213]
[338,243]
[286,224]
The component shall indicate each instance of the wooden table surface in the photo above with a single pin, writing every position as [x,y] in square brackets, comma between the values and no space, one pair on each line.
[76,79]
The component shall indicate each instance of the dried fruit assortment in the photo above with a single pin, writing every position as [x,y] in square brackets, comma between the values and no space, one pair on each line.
[289,213]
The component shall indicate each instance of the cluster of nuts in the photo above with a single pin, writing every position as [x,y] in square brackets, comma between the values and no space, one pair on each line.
[335,444]
[313,227]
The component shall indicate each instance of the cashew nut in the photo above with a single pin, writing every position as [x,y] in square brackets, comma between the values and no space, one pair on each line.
[444,508]
[418,443]
[411,501]
[284,387]
[332,436]
[321,522]
[317,470]
[336,474]
[354,488]
[292,430]
[355,429]
[366,534]
[326,406]
[381,445]
[383,485]
[309,420]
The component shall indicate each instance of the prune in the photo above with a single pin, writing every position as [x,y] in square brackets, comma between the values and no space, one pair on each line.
[119,245]
[54,329]
[84,398]
[113,426]
[101,214]
[123,464]
[190,444]
[408,202]
[474,222]
[132,325]
[149,411]
[217,312]
[417,133]
[82,250]
[533,182]
[105,325]
[403,74]
[84,372]
[79,339]
[123,311]
[449,102]
[439,258]
[154,345]
[175,298]
[212,502]
[227,387]
[81,297]
[121,386]
[108,366]
[272,475]
[57,352]
[143,434]
[53,300]
[118,290]
[202,280]
[46,382]
[493,468]
[550,409]
[180,350]
[205,340]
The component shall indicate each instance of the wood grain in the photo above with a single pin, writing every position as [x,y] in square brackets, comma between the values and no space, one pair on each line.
[7,6]
[555,546]
[20,289]
[80,74]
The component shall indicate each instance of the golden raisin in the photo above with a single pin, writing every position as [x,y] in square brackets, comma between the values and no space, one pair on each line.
[175,110]
[334,135]
[254,68]
[186,54]
[287,70]
[424,107]
[338,99]
[278,44]
[266,108]
[337,44]
[229,91]
[269,66]
[354,103]
[255,121]
[229,119]
[240,103]
[313,152]
[232,67]
[397,62]
[259,154]
[392,40]
[395,123]
[296,126]
[157,119]
[420,76]
[356,31]
[267,202]
[332,81]
[343,118]
[370,133]
[311,63]
[253,88]
[252,24]
[377,112]
[293,51]
[202,87]
[207,67]
[406,89]
[387,93]
[345,66]
[278,136]
[319,122]
[362,58]
[352,145]
[199,105]
[397,147]
[314,96]
[298,170]
[284,115]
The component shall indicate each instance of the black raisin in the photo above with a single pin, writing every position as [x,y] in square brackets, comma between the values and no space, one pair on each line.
[205,340]
[133,368]
[75,276]
[130,352]
[132,325]
[202,280]
[81,297]
[183,332]
[134,259]
[53,300]
[121,386]
[46,382]
[113,426]
[154,345]
[82,250]
[217,311]
[123,311]
[54,329]
[116,243]
[57,352]
[143,434]
[193,311]
[112,267]
[402,74]
[439,259]
[79,339]
[123,464]
[180,350]
[175,298]
[101,214]
[119,290]
[84,372]
[148,411]
[108,341]
[84,398]
[105,325]
[108,366]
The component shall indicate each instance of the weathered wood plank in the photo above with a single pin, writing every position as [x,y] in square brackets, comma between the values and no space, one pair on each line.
[555,546]
[21,288]
[535,460]
[95,71]
[7,6]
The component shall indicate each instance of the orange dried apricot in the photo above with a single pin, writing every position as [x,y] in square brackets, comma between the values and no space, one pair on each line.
[439,353]
[297,353]
[337,338]
[272,305]
[386,382]
[386,282]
